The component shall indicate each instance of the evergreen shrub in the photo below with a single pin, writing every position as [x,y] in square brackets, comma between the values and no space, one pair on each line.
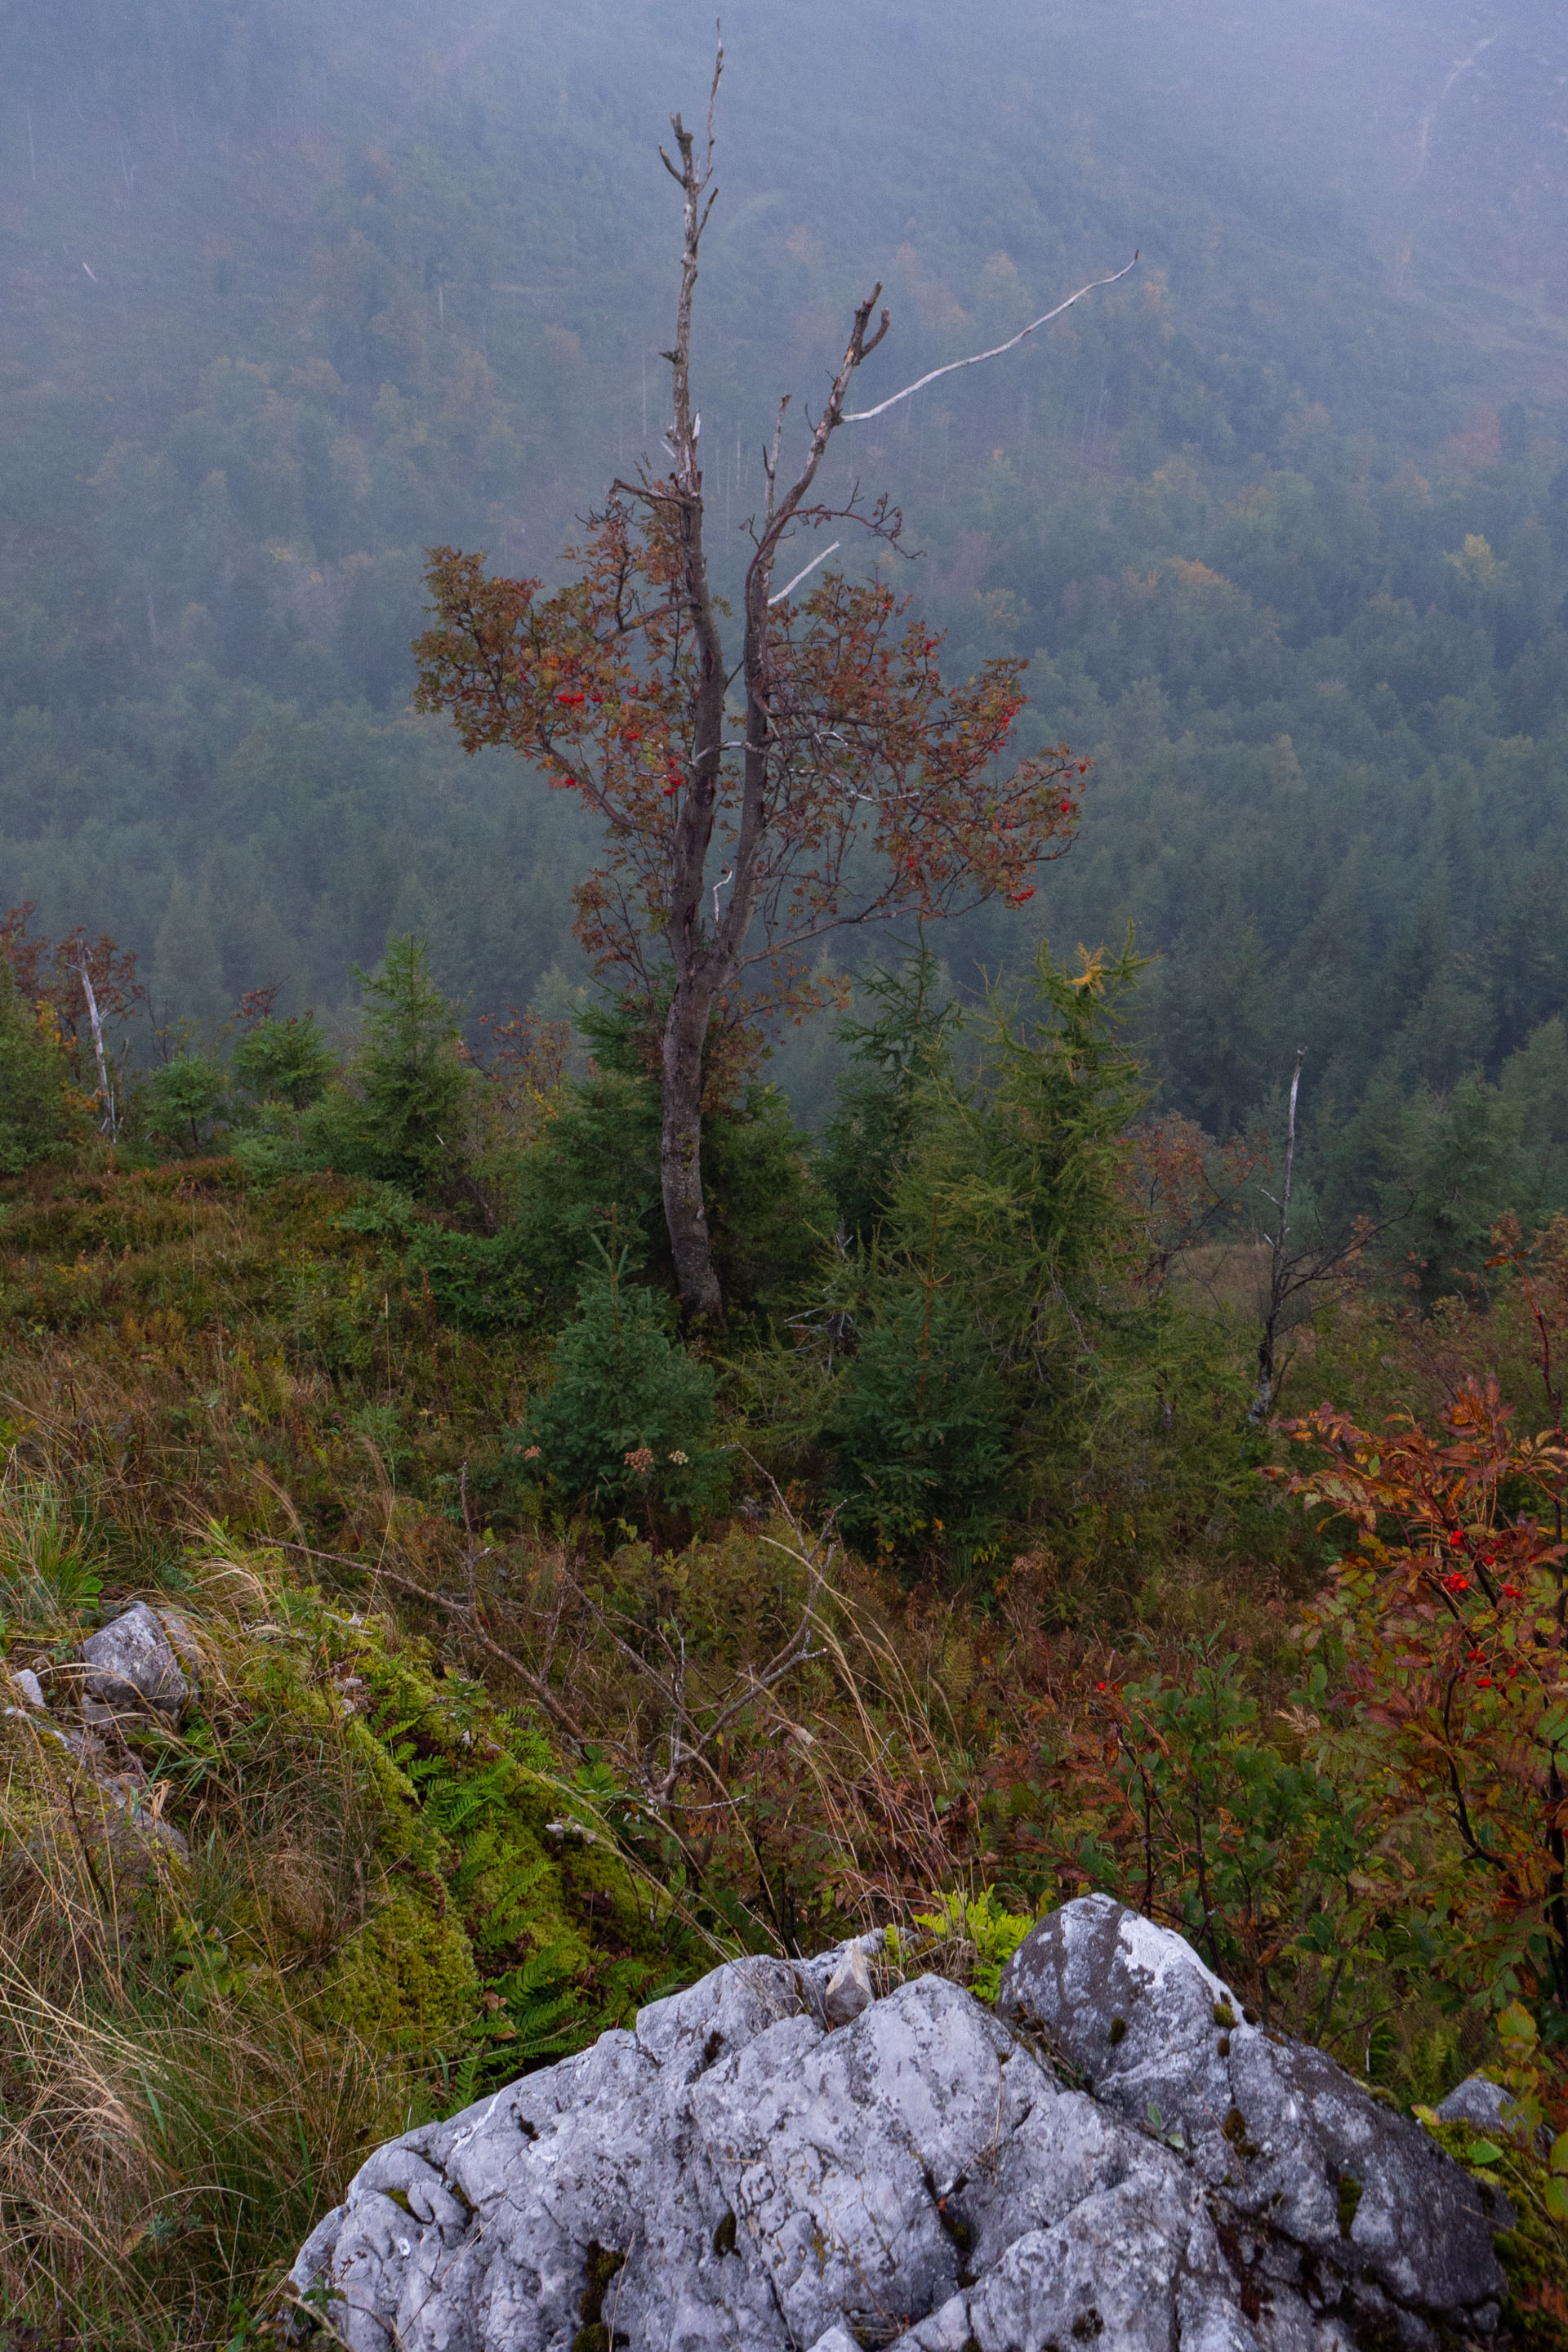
[919,1432]
[595,1168]
[480,1282]
[903,1050]
[182,1103]
[624,1424]
[404,1119]
[287,1062]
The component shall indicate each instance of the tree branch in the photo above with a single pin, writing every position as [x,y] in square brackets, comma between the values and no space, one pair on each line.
[801,575]
[864,415]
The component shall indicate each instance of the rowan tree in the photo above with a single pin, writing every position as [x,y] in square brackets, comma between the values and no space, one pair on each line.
[760,787]
[1448,1616]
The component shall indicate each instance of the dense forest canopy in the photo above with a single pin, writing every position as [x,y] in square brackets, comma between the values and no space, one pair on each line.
[1282,521]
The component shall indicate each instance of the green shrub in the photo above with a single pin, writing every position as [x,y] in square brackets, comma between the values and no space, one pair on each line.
[1014,1187]
[482,1282]
[592,1173]
[919,1432]
[970,1938]
[287,1062]
[183,1104]
[39,1118]
[402,1120]
[767,1212]
[591,1180]
[410,1069]
[902,1050]
[625,1423]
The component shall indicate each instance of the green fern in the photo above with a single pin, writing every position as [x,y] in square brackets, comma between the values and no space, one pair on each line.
[450,1799]
[540,2017]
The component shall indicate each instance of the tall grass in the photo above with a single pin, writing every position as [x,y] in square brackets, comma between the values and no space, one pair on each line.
[172,2116]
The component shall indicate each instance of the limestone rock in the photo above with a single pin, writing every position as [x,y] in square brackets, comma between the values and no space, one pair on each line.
[130,1665]
[1479,2101]
[1476,2100]
[112,1811]
[1348,2190]
[848,1990]
[28,1686]
[737,2174]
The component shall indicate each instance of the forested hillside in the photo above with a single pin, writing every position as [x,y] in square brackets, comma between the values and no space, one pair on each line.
[1280,519]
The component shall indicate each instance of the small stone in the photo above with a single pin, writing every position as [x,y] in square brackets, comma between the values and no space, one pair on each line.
[26,1682]
[112,1813]
[131,1664]
[848,1989]
[1478,2100]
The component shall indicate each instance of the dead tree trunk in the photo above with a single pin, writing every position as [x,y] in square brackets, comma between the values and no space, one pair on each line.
[1279,1263]
[707,940]
[109,1125]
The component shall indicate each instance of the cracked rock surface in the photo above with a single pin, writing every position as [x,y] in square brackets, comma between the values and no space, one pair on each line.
[925,2177]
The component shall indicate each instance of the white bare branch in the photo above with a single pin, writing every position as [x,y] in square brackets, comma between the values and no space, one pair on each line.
[110,1124]
[799,576]
[864,415]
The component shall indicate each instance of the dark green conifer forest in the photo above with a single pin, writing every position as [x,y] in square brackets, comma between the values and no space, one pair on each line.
[1114,1465]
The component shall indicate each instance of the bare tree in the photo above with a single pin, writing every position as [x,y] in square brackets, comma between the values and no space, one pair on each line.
[1286,1276]
[111,1122]
[1296,1269]
[738,786]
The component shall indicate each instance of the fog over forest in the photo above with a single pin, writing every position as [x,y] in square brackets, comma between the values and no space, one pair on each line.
[293,293]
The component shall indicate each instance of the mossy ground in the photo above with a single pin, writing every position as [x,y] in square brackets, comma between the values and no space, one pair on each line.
[395,1891]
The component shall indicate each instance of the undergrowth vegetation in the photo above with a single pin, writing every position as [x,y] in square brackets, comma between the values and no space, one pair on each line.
[540,1658]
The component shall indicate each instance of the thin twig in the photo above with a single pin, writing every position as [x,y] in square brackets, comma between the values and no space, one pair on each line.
[469,1620]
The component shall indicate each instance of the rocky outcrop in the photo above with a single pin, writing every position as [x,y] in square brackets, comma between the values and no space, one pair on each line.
[1350,2195]
[1111,2160]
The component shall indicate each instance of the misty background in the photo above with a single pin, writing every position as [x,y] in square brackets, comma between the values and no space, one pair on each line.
[292,293]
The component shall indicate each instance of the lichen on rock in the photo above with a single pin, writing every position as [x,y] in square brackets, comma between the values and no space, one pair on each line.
[918,2177]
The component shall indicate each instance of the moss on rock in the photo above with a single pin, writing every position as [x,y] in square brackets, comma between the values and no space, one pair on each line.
[1534,2252]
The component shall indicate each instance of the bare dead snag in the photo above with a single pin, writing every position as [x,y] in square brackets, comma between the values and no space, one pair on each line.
[734,833]
[1295,1269]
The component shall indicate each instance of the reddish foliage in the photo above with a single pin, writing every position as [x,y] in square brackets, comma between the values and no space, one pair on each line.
[598,684]
[1452,1611]
[49,972]
[1183,1186]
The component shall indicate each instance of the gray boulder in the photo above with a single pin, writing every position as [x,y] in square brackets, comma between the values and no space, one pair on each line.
[132,1665]
[1478,2100]
[1360,2205]
[736,2174]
